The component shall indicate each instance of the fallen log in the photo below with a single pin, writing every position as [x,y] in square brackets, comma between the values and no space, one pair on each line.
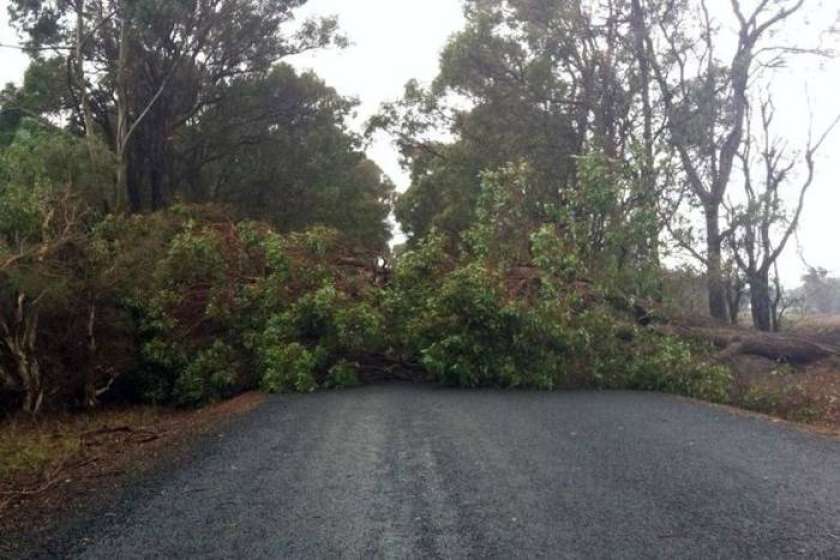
[773,346]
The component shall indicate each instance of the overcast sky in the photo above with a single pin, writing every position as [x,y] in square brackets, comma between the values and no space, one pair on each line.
[396,40]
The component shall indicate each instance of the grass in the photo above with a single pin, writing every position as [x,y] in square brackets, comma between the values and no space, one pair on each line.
[823,328]
[790,403]
[25,451]
[808,394]
[32,448]
[43,457]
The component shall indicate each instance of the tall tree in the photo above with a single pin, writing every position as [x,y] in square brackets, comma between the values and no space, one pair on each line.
[706,101]
[278,148]
[160,63]
[762,226]
[541,82]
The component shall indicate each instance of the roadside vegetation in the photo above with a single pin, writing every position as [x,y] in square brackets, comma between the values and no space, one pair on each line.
[185,218]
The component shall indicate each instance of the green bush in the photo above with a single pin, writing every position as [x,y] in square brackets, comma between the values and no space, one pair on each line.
[358,329]
[667,364]
[470,327]
[312,317]
[289,367]
[343,374]
[153,381]
[466,333]
[211,376]
[790,401]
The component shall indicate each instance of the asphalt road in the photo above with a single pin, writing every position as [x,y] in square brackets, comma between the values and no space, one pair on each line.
[402,471]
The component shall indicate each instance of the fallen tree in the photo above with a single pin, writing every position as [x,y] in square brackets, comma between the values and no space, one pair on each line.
[773,346]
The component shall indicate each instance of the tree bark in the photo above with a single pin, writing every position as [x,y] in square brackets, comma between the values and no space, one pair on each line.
[134,181]
[648,164]
[714,272]
[19,338]
[735,294]
[87,112]
[773,346]
[760,302]
[123,127]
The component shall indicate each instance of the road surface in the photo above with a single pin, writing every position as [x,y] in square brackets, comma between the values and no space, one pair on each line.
[404,471]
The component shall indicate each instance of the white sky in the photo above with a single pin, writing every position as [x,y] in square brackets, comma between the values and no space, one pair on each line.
[397,40]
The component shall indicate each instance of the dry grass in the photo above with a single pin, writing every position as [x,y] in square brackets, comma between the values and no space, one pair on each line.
[809,394]
[30,448]
[39,455]
[823,328]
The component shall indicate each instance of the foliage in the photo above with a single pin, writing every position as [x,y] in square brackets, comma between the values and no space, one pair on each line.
[214,307]
[343,374]
[48,272]
[277,149]
[791,401]
[212,375]
[238,128]
[177,60]
[480,339]
[469,333]
[467,319]
[667,364]
[288,367]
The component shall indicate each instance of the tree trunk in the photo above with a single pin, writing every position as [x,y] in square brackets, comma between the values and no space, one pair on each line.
[648,164]
[134,181]
[19,338]
[30,371]
[122,103]
[87,112]
[157,166]
[90,396]
[735,294]
[760,302]
[714,269]
[772,346]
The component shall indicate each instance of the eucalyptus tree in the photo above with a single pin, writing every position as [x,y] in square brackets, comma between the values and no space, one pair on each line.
[705,89]
[145,68]
[278,148]
[546,83]
[763,225]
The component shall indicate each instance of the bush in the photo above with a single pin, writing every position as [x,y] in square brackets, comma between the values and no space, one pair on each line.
[288,367]
[343,374]
[789,400]
[471,328]
[213,375]
[468,328]
[661,363]
[358,329]
[153,380]
[464,330]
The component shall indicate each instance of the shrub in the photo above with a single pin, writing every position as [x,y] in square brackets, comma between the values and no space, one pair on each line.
[667,364]
[358,329]
[153,380]
[288,367]
[467,327]
[467,333]
[211,376]
[789,400]
[343,374]
[312,317]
